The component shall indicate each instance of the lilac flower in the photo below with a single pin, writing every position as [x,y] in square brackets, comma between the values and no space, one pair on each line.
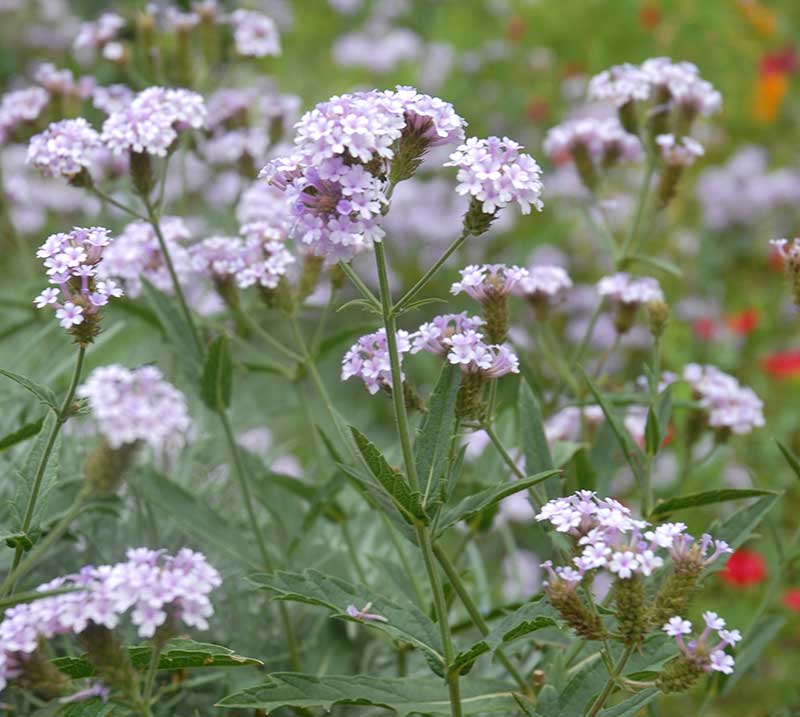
[567,424]
[684,549]
[150,123]
[62,82]
[20,107]
[632,290]
[623,564]
[679,152]
[150,584]
[96,34]
[495,172]
[364,613]
[620,84]
[788,249]
[368,359]
[431,119]
[434,335]
[129,406]
[472,355]
[602,140]
[113,98]
[379,49]
[543,283]
[72,261]
[255,34]
[136,255]
[709,658]
[65,148]
[730,406]
[484,282]
[681,83]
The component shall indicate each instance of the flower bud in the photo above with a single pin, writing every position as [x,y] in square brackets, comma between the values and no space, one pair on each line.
[679,675]
[495,312]
[626,315]
[668,184]
[584,165]
[628,118]
[141,169]
[631,608]
[658,317]
[110,659]
[564,598]
[280,297]
[469,401]
[676,592]
[476,221]
[309,277]
[42,677]
[105,467]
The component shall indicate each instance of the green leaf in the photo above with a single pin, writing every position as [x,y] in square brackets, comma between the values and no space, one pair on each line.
[329,343]
[43,393]
[564,452]
[405,621]
[174,326]
[178,654]
[432,447]
[751,648]
[401,696]
[791,458]
[217,379]
[656,263]
[632,453]
[23,433]
[652,435]
[90,708]
[709,497]
[470,506]
[534,441]
[737,528]
[392,481]
[363,304]
[32,596]
[194,516]
[633,705]
[529,618]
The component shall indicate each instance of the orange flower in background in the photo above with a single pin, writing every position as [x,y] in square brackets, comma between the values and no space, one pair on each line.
[744,322]
[516,29]
[773,83]
[649,15]
[744,568]
[782,364]
[791,599]
[761,18]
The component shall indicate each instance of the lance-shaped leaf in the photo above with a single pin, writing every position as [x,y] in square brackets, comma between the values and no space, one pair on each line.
[791,459]
[178,654]
[23,433]
[401,696]
[480,501]
[709,497]
[520,623]
[403,620]
[534,441]
[90,708]
[216,382]
[43,393]
[392,481]
[633,705]
[433,444]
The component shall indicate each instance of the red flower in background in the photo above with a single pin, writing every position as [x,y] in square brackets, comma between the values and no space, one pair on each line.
[791,599]
[782,364]
[744,568]
[744,322]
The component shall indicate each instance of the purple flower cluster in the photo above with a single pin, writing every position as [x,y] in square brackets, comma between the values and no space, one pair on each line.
[730,406]
[113,98]
[368,359]
[603,140]
[495,173]
[150,123]
[620,84]
[96,34]
[434,336]
[136,255]
[568,423]
[710,658]
[610,538]
[631,290]
[129,406]
[65,148]
[679,152]
[62,82]
[72,260]
[335,178]
[255,34]
[486,281]
[788,249]
[546,282]
[152,585]
[469,351]
[21,107]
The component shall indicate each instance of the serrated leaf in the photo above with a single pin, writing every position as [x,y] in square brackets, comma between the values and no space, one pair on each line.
[401,696]
[25,477]
[633,705]
[527,619]
[405,621]
[709,497]
[23,433]
[432,447]
[393,482]
[43,393]
[791,459]
[216,382]
[632,453]
[534,441]
[480,501]
[178,654]
[194,516]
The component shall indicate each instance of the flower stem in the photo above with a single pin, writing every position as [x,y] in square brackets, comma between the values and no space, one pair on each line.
[536,498]
[363,289]
[644,191]
[266,558]
[423,536]
[150,680]
[36,486]
[119,205]
[612,680]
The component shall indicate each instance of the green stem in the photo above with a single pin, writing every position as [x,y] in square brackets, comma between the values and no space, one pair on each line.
[152,217]
[612,680]
[61,418]
[351,548]
[150,680]
[363,289]
[428,275]
[247,496]
[644,191]
[475,614]
[536,498]
[602,231]
[119,205]
[268,338]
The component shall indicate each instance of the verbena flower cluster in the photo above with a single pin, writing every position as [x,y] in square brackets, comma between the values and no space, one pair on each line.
[434,336]
[543,283]
[130,406]
[65,149]
[255,34]
[344,148]
[472,354]
[679,152]
[20,107]
[368,359]
[707,657]
[487,281]
[602,140]
[627,289]
[77,295]
[152,585]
